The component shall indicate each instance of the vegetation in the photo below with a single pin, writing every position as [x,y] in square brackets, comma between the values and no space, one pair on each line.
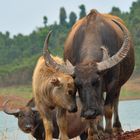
[22,91]
[26,91]
[132,20]
[83,11]
[18,54]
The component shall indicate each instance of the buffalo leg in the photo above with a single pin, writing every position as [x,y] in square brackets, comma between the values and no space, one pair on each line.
[92,131]
[83,136]
[117,128]
[100,128]
[108,112]
[47,121]
[100,125]
[111,106]
[48,129]
[62,124]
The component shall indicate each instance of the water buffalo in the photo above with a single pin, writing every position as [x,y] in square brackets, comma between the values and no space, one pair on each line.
[101,50]
[53,87]
[29,121]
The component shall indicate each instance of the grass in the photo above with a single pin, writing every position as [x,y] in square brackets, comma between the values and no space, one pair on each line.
[126,94]
[131,90]
[22,91]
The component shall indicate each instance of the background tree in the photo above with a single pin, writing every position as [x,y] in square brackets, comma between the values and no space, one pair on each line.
[116,11]
[45,21]
[83,11]
[62,16]
[20,52]
[72,19]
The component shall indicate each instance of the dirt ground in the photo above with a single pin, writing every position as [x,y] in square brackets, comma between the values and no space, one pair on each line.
[129,135]
[16,101]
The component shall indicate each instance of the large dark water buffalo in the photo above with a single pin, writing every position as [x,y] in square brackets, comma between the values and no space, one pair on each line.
[101,50]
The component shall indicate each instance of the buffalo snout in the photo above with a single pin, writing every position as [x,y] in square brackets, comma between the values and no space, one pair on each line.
[28,127]
[90,113]
[73,108]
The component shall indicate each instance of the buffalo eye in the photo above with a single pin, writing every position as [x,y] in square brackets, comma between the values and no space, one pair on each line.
[32,114]
[20,115]
[95,82]
[78,83]
[70,92]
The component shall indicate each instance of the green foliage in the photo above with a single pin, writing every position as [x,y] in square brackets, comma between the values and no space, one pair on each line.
[132,20]
[18,65]
[116,11]
[21,52]
[45,20]
[72,19]
[62,16]
[22,91]
[83,11]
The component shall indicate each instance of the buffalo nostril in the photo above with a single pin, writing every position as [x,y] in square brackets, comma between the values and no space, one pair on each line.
[28,126]
[90,114]
[73,109]
[98,113]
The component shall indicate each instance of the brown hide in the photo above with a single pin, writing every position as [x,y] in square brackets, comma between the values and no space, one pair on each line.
[95,74]
[53,88]
[28,117]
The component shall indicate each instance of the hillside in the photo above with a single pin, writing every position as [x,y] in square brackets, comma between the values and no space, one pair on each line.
[18,54]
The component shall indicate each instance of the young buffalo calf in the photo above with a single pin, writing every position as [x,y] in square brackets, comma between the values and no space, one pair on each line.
[53,87]
[29,121]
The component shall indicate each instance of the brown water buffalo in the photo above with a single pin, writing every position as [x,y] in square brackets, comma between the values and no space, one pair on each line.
[53,87]
[29,121]
[101,50]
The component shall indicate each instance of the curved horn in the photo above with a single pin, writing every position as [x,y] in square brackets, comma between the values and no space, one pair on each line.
[51,62]
[105,53]
[48,59]
[121,54]
[8,110]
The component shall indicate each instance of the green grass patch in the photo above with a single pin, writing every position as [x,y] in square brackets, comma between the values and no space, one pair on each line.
[22,91]
[126,94]
[26,92]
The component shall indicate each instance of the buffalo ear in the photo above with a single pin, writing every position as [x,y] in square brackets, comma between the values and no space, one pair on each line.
[10,111]
[55,81]
[14,112]
[34,109]
[16,115]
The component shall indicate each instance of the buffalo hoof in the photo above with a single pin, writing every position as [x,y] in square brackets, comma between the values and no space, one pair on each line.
[117,130]
[108,131]
[64,138]
[108,134]
[95,137]
[101,135]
